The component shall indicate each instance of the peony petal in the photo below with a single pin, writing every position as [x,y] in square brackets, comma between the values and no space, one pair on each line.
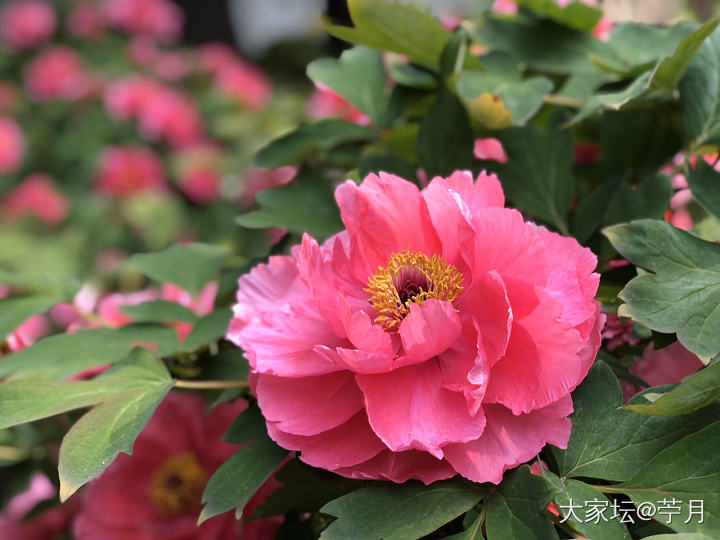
[489,149]
[349,443]
[386,214]
[409,409]
[428,330]
[400,467]
[363,333]
[510,440]
[310,405]
[357,361]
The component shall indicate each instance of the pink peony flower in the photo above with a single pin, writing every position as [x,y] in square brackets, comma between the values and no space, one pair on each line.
[26,23]
[86,21]
[439,334]
[128,170]
[57,74]
[243,84]
[171,115]
[108,308]
[490,149]
[201,186]
[260,178]
[616,332]
[213,57]
[12,145]
[126,98]
[602,29]
[157,18]
[36,196]
[155,493]
[25,335]
[324,103]
[506,7]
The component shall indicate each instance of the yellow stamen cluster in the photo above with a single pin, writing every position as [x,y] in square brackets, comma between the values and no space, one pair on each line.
[410,278]
[177,486]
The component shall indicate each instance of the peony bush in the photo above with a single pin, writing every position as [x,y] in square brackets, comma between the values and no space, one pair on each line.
[460,281]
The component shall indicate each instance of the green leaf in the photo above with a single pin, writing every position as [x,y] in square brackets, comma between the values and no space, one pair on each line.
[307,139]
[40,285]
[683,293]
[696,391]
[572,492]
[16,310]
[393,27]
[61,356]
[189,266]
[514,511]
[248,426]
[474,532]
[141,382]
[680,536]
[236,481]
[687,470]
[614,100]
[700,93]
[445,139]
[398,512]
[538,174]
[522,98]
[613,444]
[575,15]
[304,205]
[704,183]
[357,76]
[158,311]
[207,329]
[304,489]
[649,199]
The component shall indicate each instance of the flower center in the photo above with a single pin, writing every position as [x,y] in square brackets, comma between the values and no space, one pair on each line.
[410,277]
[177,486]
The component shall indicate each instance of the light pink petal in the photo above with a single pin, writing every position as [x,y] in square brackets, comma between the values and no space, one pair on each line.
[487,300]
[357,361]
[572,280]
[428,330]
[400,467]
[309,405]
[489,149]
[409,409]
[386,214]
[282,342]
[363,333]
[510,440]
[349,443]
[541,363]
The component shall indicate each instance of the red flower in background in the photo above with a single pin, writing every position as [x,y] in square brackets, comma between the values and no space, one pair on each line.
[161,19]
[36,196]
[26,24]
[125,171]
[324,103]
[57,74]
[170,115]
[244,84]
[86,20]
[154,494]
[12,145]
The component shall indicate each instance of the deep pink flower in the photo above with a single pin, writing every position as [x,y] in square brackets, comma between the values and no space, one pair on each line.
[490,149]
[26,334]
[26,23]
[616,332]
[171,115]
[243,84]
[439,334]
[86,20]
[200,185]
[129,170]
[603,28]
[125,98]
[157,18]
[507,7]
[57,73]
[12,145]
[260,178]
[213,57]
[324,103]
[36,196]
[155,493]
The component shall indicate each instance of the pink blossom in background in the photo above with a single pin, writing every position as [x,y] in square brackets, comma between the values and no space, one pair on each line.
[489,149]
[25,24]
[260,178]
[602,29]
[324,103]
[171,115]
[86,20]
[27,333]
[161,19]
[57,74]
[617,332]
[35,196]
[668,365]
[108,308]
[213,57]
[506,7]
[128,170]
[202,304]
[440,334]
[127,97]
[201,186]
[244,84]
[155,493]
[12,145]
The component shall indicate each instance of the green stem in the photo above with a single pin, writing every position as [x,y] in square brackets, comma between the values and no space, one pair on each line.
[210,385]
[563,101]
